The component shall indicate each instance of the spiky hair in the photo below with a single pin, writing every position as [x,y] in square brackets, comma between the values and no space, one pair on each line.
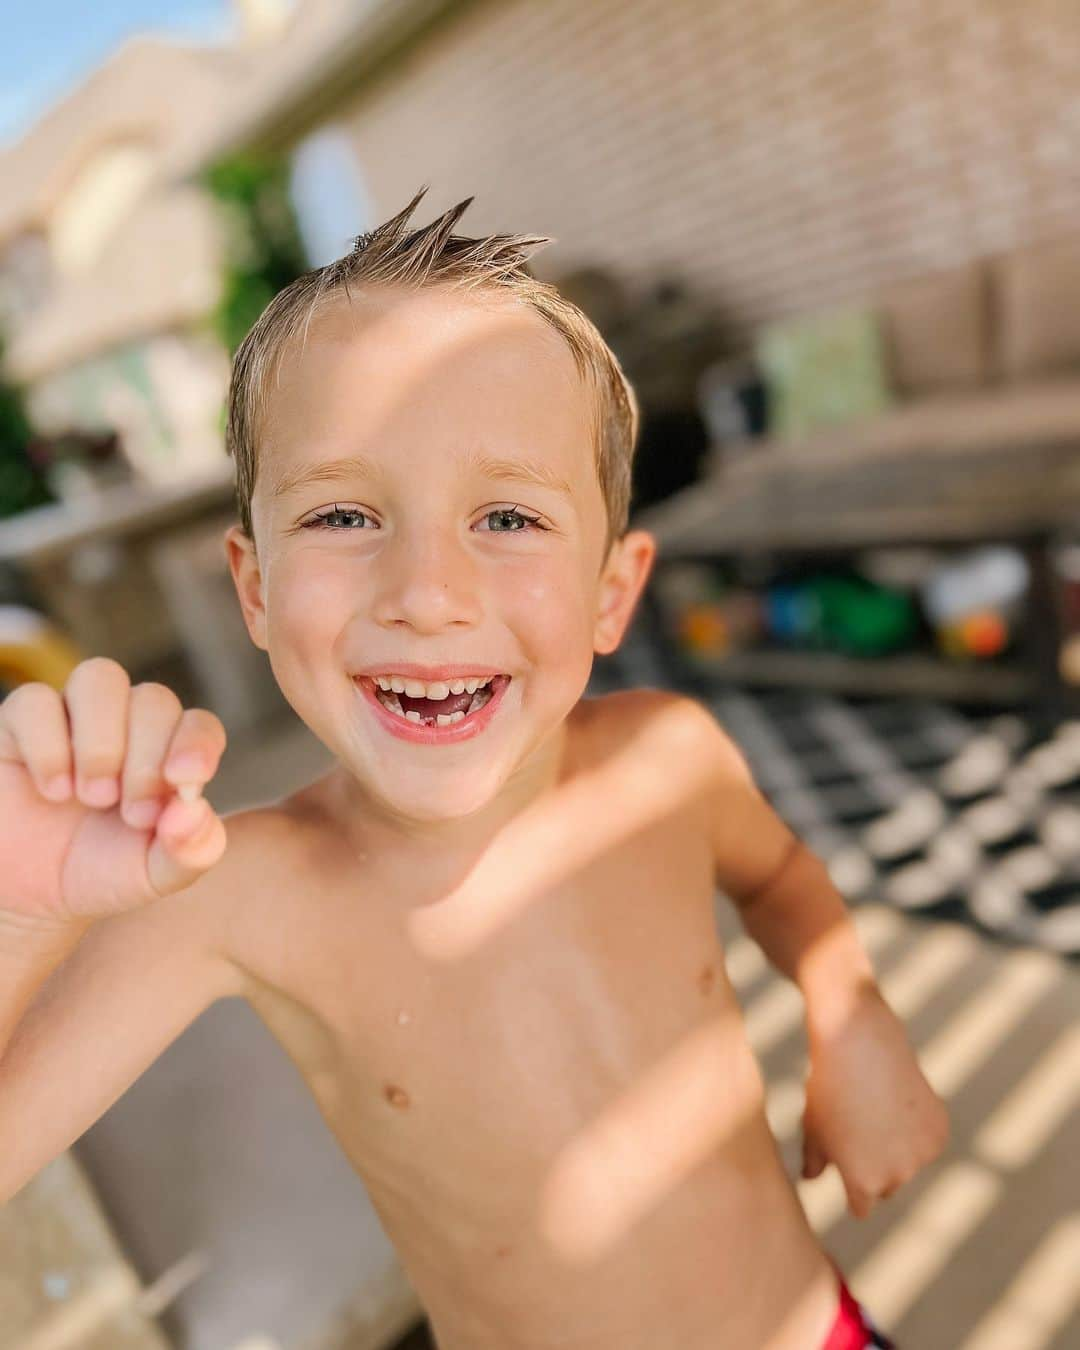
[391,255]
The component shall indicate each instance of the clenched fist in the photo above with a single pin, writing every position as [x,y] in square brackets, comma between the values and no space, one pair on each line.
[100,796]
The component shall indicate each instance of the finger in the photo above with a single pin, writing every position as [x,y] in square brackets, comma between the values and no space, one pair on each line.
[195,750]
[188,840]
[859,1201]
[97,695]
[154,713]
[35,727]
[814,1159]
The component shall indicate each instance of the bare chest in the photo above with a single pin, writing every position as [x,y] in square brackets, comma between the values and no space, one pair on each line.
[507,1006]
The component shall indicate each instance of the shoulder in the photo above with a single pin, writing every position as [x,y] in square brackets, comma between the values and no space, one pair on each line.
[667,722]
[626,709]
[184,943]
[210,918]
[662,755]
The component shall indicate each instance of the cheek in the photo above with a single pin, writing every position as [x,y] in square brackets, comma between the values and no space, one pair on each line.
[548,607]
[308,603]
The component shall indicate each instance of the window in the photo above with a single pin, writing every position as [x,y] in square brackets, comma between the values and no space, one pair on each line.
[96,202]
[328,194]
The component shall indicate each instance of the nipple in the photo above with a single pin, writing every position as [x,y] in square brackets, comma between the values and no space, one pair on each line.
[396,1096]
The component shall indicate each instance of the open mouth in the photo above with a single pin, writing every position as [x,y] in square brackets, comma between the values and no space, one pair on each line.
[436,704]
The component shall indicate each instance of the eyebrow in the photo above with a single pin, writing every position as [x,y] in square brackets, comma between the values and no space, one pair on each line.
[332,471]
[357,466]
[520,471]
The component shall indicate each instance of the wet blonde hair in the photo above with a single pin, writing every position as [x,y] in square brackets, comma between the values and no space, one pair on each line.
[393,256]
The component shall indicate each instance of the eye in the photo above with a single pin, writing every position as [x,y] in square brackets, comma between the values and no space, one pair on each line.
[319,519]
[518,520]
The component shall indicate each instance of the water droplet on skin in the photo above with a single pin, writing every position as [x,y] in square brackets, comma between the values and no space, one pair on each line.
[402,1018]
[56,1284]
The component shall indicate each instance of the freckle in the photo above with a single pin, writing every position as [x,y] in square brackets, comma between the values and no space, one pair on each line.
[707,979]
[502,1251]
[396,1096]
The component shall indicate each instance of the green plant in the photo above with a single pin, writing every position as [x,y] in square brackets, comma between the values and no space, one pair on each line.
[21,485]
[264,250]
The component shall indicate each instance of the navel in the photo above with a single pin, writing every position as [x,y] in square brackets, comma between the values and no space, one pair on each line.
[396,1096]
[707,979]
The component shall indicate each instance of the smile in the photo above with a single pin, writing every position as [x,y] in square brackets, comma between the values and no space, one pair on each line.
[433,711]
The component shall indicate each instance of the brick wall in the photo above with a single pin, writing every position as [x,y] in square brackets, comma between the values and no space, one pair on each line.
[794,152]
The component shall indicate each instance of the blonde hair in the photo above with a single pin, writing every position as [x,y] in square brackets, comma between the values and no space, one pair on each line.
[394,257]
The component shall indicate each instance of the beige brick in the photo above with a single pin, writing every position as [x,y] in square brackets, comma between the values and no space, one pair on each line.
[787,152]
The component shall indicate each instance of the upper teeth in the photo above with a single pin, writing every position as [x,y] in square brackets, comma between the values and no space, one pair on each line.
[437,689]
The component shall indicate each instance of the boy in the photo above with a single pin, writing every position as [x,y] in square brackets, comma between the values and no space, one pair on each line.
[486,937]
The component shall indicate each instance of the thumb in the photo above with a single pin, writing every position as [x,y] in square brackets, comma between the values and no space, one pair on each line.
[109,867]
[814,1159]
[189,838]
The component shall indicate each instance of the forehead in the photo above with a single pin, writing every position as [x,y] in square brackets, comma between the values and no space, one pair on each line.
[395,371]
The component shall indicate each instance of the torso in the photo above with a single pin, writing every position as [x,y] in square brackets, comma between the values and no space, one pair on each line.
[539,1069]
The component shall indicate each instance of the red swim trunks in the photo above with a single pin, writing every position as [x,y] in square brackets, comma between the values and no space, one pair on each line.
[853,1329]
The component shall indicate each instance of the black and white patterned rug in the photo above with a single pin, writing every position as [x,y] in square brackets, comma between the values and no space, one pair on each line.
[922,805]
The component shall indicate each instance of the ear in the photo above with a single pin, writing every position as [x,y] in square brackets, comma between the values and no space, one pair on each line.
[621,582]
[247,578]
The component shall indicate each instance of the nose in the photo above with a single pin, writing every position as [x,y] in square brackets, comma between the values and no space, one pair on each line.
[428,582]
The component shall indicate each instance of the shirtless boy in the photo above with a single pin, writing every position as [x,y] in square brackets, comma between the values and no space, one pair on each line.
[486,936]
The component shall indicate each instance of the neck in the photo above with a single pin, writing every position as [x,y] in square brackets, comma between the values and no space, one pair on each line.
[461,836]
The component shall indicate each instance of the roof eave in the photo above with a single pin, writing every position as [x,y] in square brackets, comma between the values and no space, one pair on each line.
[277,115]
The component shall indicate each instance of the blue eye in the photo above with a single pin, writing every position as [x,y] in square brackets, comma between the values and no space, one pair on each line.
[520,519]
[514,521]
[319,518]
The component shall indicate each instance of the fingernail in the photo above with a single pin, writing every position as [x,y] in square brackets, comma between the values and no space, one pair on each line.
[141,814]
[192,818]
[184,767]
[188,792]
[101,791]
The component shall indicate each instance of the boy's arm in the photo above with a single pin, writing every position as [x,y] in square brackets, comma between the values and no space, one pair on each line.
[29,953]
[863,1068]
[785,897]
[101,1001]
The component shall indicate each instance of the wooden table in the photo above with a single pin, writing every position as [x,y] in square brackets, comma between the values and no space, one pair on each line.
[56,1251]
[789,507]
[125,510]
[138,572]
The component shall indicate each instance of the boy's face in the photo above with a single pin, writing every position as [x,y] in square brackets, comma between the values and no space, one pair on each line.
[435,549]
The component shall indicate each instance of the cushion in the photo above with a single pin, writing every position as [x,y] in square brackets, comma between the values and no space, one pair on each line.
[937,331]
[1037,302]
[823,370]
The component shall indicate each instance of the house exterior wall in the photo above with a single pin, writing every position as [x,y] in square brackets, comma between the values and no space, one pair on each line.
[107,273]
[791,153]
[94,249]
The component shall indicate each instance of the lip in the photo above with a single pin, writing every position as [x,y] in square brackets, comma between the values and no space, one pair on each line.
[465,730]
[429,674]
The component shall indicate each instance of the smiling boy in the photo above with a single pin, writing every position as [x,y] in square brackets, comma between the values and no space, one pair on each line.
[486,936]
